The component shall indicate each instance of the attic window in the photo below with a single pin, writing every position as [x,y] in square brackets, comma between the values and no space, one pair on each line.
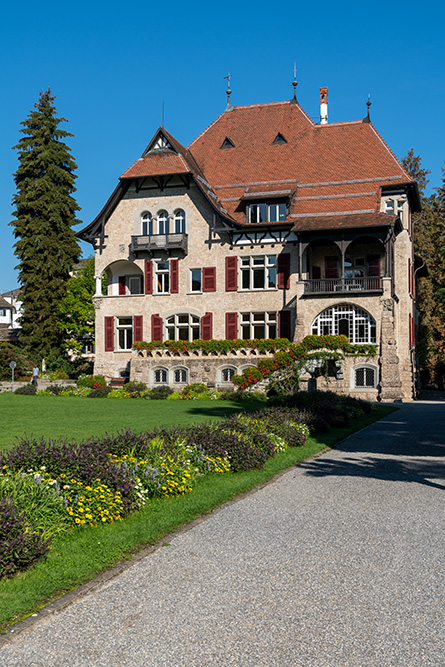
[279,139]
[227,143]
[161,144]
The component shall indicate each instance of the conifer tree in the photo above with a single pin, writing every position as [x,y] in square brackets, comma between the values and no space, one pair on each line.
[45,213]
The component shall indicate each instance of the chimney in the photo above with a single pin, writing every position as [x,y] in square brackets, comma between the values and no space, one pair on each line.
[324,105]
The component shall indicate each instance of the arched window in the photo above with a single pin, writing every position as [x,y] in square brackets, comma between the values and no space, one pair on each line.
[354,323]
[180,376]
[160,376]
[180,221]
[163,223]
[365,377]
[227,374]
[183,326]
[147,224]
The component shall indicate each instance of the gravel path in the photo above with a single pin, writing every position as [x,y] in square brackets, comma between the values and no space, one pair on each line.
[337,563]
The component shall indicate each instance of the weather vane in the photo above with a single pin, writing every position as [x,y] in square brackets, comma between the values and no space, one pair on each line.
[295,84]
[229,92]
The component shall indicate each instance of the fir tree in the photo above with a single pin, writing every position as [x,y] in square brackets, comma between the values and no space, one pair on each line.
[44,215]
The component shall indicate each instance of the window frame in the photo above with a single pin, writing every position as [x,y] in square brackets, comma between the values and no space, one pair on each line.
[147,224]
[366,368]
[194,328]
[195,291]
[250,266]
[252,320]
[127,332]
[181,370]
[162,276]
[328,323]
[254,210]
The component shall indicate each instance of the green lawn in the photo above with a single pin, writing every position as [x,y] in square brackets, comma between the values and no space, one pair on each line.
[81,418]
[81,554]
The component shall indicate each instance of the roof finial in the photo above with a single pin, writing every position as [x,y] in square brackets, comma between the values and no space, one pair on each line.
[295,84]
[368,104]
[228,91]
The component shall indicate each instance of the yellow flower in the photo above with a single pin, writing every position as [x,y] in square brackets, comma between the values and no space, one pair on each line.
[104,518]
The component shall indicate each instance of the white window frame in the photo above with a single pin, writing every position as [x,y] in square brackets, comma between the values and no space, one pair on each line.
[196,291]
[362,326]
[146,224]
[176,324]
[270,210]
[250,266]
[163,220]
[124,332]
[162,276]
[253,320]
[179,221]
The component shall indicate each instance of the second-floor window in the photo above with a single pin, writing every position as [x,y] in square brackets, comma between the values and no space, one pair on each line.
[183,326]
[163,223]
[124,333]
[179,222]
[259,325]
[147,224]
[162,277]
[259,272]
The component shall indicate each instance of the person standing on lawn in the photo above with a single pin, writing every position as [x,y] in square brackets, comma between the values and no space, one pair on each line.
[35,375]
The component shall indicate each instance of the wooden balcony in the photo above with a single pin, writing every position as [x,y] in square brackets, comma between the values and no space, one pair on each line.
[159,242]
[343,285]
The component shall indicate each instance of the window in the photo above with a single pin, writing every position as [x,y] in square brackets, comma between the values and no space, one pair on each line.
[227,374]
[2,312]
[259,325]
[124,329]
[365,377]
[180,222]
[147,224]
[183,326]
[354,268]
[162,277]
[354,323]
[196,280]
[135,284]
[266,212]
[394,206]
[259,272]
[160,376]
[180,376]
[163,223]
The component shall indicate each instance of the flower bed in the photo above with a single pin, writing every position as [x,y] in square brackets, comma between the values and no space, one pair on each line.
[50,486]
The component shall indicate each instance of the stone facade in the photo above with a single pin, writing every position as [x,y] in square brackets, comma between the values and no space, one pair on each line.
[180,266]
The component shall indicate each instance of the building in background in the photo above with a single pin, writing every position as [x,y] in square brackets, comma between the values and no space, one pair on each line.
[10,312]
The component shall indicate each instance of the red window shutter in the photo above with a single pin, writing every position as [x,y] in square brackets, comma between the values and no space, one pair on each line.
[209,279]
[207,326]
[284,324]
[156,327]
[138,328]
[231,274]
[109,334]
[148,276]
[316,273]
[331,267]
[373,265]
[122,285]
[283,271]
[231,326]
[174,276]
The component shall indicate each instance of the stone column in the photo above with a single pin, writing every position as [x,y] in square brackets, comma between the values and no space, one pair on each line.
[390,384]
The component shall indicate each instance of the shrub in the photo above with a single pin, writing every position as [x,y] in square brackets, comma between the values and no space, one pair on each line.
[99,392]
[55,389]
[38,495]
[27,390]
[160,393]
[20,544]
[135,389]
[91,381]
[58,375]
[191,390]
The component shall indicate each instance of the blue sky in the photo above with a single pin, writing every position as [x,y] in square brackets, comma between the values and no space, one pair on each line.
[112,65]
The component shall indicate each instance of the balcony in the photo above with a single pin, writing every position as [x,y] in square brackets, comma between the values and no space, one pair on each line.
[154,242]
[343,285]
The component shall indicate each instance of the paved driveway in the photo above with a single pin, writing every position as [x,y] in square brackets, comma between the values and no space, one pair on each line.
[339,562]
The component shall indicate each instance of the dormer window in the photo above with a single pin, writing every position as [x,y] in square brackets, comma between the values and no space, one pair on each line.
[266,212]
[162,144]
[279,139]
[227,143]
[394,205]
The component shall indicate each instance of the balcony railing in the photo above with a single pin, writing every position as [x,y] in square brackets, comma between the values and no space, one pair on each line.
[336,285]
[159,242]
